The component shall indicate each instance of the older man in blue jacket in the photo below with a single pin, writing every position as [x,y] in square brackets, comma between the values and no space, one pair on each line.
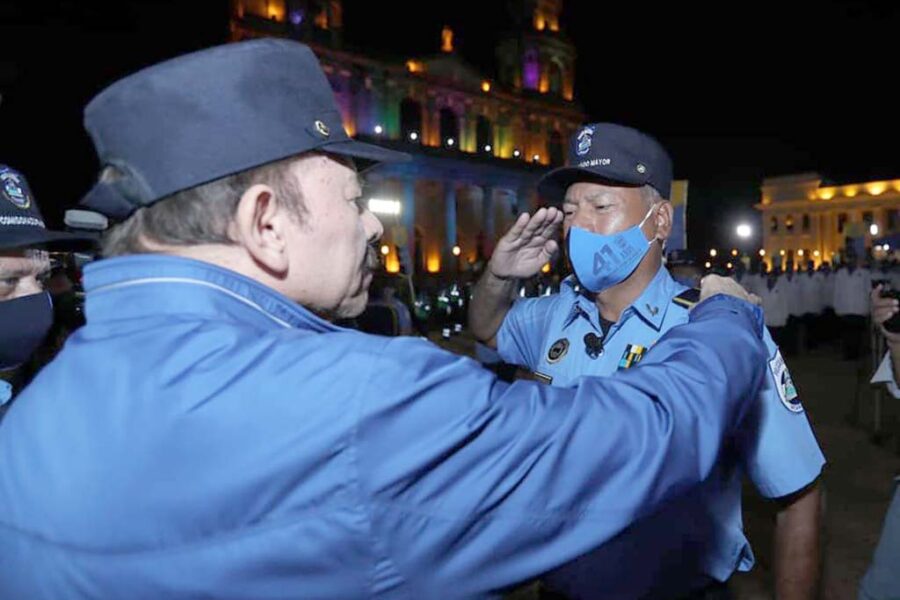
[210,433]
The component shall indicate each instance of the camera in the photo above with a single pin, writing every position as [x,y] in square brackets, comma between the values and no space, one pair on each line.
[892,324]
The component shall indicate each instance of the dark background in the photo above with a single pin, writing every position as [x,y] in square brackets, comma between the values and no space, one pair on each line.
[737,91]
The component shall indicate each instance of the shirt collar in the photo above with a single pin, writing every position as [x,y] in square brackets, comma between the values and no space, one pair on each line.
[152,285]
[651,305]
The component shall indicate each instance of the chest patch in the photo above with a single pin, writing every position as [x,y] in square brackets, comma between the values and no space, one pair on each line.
[632,356]
[558,350]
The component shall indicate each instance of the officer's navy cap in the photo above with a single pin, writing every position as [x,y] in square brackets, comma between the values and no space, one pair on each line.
[606,152]
[210,114]
[21,223]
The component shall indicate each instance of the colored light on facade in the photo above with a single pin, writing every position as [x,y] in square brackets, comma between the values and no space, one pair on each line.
[296,17]
[531,71]
[876,189]
[384,207]
[392,264]
[433,264]
[446,39]
[826,194]
[485,86]
[851,192]
[414,66]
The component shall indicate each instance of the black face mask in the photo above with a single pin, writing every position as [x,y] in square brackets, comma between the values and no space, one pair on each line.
[24,323]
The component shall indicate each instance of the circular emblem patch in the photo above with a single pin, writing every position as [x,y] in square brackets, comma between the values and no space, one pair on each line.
[322,128]
[584,141]
[14,189]
[784,384]
[558,350]
[641,169]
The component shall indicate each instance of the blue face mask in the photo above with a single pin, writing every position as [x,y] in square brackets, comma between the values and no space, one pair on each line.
[602,261]
[24,323]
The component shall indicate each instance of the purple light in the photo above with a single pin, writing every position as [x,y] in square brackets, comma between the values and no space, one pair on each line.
[296,17]
[531,71]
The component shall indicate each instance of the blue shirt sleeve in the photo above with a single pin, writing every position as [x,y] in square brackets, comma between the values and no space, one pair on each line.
[780,451]
[523,330]
[476,484]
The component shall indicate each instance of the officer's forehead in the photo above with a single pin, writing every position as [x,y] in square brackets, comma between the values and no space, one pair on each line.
[23,262]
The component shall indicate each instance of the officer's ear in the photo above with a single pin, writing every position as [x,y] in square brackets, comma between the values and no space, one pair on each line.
[662,220]
[261,226]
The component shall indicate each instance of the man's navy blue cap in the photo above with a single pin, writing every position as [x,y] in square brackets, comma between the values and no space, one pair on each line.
[21,223]
[606,152]
[210,114]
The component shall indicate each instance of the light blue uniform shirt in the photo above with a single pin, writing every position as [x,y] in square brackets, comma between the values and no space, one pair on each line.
[204,436]
[699,537]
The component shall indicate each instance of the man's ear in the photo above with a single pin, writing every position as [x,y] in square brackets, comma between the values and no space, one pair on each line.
[261,227]
[663,220]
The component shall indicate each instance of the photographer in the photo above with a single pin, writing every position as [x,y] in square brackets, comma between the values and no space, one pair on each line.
[882,580]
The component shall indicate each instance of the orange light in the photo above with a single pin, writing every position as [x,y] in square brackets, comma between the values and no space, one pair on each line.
[545,268]
[781,252]
[446,39]
[414,66]
[826,194]
[734,252]
[876,189]
[800,252]
[485,86]
[434,264]
[816,253]
[392,264]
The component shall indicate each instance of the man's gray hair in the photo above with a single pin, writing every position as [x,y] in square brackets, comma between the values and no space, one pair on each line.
[199,215]
[651,196]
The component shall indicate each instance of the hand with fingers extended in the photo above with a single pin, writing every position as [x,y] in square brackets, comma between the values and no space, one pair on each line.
[528,245]
[882,310]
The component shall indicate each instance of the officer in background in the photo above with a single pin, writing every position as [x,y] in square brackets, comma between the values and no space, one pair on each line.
[852,284]
[882,580]
[211,433]
[605,320]
[26,309]
[810,292]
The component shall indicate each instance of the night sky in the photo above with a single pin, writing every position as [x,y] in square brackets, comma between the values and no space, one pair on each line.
[735,91]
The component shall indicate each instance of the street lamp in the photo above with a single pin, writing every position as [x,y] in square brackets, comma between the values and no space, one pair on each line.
[713,252]
[873,229]
[744,231]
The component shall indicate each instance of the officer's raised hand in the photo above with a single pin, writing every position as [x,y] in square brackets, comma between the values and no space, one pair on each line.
[527,246]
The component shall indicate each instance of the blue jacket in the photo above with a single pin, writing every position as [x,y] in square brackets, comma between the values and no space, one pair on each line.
[204,436]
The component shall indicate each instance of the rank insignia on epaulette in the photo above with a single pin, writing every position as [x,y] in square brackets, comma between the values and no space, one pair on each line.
[558,350]
[688,298]
[632,356]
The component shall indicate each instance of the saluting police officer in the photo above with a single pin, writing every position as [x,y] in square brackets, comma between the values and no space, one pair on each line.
[607,317]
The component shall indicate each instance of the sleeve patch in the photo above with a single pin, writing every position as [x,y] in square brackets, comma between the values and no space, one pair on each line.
[787,391]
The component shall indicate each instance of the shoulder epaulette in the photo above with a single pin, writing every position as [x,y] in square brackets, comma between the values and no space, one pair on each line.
[688,298]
